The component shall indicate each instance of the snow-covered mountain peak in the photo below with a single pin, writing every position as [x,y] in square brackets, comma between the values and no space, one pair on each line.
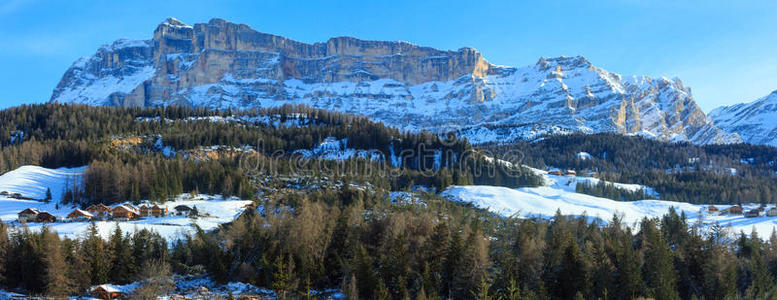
[226,65]
[755,122]
[173,22]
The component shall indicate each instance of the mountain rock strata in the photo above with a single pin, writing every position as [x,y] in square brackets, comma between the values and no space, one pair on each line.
[225,65]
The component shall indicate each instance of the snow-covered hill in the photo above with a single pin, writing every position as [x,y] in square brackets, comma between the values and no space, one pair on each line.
[755,122]
[32,181]
[559,194]
[225,65]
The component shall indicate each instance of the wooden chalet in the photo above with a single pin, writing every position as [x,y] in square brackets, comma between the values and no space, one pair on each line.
[28,215]
[144,210]
[182,210]
[45,217]
[79,215]
[772,212]
[124,212]
[99,210]
[106,291]
[734,210]
[570,173]
[753,213]
[556,172]
[158,211]
[712,209]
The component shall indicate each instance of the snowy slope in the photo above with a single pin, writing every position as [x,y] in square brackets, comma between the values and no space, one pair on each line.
[32,181]
[559,195]
[755,122]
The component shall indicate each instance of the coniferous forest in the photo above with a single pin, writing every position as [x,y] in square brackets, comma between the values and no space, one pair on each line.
[310,228]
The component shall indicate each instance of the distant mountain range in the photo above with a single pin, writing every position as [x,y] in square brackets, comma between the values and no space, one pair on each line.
[755,122]
[226,65]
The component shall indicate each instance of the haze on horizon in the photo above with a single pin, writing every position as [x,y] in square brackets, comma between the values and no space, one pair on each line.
[722,50]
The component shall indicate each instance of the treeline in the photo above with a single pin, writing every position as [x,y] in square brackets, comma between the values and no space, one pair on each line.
[607,190]
[434,249]
[42,263]
[740,173]
[439,250]
[54,135]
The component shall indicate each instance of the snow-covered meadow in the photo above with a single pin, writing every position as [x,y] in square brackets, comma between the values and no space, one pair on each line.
[558,193]
[32,182]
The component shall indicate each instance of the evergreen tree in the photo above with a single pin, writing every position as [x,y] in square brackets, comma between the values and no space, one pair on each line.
[659,273]
[56,270]
[48,196]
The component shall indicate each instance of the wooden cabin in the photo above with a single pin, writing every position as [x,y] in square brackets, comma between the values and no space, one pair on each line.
[99,210]
[772,212]
[712,209]
[182,210]
[158,211]
[753,213]
[45,217]
[570,173]
[734,210]
[28,215]
[144,210]
[106,291]
[555,172]
[79,215]
[124,212]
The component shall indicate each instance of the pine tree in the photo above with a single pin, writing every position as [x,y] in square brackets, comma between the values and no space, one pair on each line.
[96,255]
[122,263]
[282,282]
[56,280]
[48,196]
[482,292]
[573,275]
[659,272]
[628,276]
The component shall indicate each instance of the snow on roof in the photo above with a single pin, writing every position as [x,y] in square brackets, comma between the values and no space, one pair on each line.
[30,210]
[82,212]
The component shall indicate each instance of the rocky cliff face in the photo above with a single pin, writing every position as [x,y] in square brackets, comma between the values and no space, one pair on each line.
[755,122]
[225,65]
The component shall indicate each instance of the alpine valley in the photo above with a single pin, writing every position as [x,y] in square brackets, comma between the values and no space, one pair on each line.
[214,161]
[222,65]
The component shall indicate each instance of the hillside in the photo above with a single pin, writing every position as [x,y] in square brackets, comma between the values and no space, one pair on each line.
[223,65]
[683,172]
[559,196]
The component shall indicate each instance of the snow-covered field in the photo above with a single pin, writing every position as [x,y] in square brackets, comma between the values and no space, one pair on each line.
[559,194]
[32,181]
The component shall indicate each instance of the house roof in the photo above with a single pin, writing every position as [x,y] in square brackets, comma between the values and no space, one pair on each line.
[30,211]
[124,208]
[182,208]
[107,288]
[99,207]
[45,214]
[79,212]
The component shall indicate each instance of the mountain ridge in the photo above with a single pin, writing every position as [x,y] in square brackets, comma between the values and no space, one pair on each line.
[226,65]
[755,121]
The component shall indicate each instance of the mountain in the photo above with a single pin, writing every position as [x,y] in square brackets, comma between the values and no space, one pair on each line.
[754,122]
[225,65]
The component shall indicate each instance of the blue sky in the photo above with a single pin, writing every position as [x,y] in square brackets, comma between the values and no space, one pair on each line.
[723,50]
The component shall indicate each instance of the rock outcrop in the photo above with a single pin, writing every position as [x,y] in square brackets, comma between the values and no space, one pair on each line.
[225,65]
